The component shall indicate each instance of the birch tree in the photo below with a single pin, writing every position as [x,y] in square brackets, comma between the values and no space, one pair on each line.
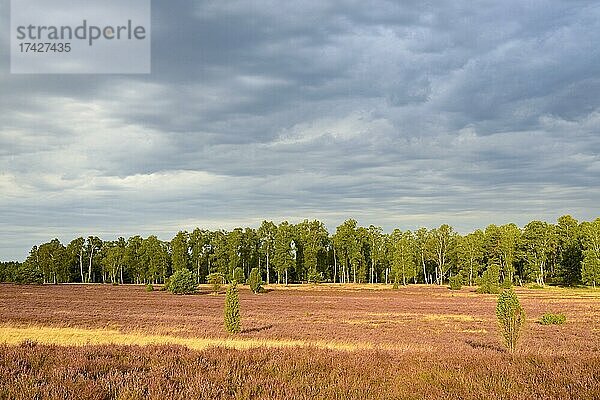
[180,253]
[570,252]
[76,249]
[133,259]
[470,254]
[199,253]
[284,258]
[52,259]
[509,239]
[403,266]
[444,242]
[590,271]
[266,237]
[348,249]
[93,245]
[537,243]
[377,248]
[422,249]
[313,236]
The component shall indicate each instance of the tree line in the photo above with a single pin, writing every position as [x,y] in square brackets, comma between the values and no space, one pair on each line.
[566,253]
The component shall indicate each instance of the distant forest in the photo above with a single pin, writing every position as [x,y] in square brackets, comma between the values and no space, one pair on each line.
[565,253]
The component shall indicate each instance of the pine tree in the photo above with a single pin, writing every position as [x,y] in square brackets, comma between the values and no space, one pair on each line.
[232,309]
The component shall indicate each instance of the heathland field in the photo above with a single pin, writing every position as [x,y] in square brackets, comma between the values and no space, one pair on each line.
[303,341]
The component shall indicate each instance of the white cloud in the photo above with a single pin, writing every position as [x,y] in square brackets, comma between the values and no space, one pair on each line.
[396,114]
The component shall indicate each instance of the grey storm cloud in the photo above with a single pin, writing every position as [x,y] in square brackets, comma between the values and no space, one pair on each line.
[400,114]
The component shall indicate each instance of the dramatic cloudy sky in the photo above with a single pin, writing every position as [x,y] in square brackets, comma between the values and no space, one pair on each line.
[397,113]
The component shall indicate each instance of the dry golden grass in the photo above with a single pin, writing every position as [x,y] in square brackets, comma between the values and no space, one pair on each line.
[14,335]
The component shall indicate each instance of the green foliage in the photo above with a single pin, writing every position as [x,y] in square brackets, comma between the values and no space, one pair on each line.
[314,277]
[509,237]
[234,244]
[506,284]
[232,309]
[28,274]
[443,244]
[511,318]
[455,282]
[590,270]
[52,261]
[590,238]
[469,251]
[488,283]
[570,253]
[266,236]
[8,271]
[552,319]
[114,254]
[238,275]
[215,279]
[180,251]
[182,282]
[347,245]
[255,281]
[284,257]
[149,288]
[403,256]
[154,257]
[313,238]
[537,244]
[566,253]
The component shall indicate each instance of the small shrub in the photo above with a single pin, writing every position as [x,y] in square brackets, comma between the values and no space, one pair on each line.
[535,286]
[255,281]
[232,309]
[511,318]
[238,275]
[488,283]
[506,284]
[215,279]
[149,288]
[455,282]
[182,282]
[552,319]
